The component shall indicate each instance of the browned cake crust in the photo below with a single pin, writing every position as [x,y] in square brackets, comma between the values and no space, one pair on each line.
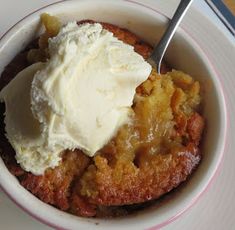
[144,161]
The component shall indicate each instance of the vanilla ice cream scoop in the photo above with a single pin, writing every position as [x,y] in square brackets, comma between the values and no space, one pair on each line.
[79,98]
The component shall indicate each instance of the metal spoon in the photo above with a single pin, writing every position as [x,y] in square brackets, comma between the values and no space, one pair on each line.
[156,57]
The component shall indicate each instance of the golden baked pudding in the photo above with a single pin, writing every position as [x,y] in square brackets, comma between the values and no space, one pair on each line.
[145,160]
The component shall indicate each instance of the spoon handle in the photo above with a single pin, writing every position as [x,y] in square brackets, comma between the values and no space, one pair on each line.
[160,49]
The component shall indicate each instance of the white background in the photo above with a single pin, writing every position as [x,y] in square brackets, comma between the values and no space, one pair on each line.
[216,209]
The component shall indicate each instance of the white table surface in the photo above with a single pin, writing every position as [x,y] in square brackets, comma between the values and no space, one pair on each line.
[216,209]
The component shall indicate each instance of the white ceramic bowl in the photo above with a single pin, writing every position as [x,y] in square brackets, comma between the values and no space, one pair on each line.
[184,54]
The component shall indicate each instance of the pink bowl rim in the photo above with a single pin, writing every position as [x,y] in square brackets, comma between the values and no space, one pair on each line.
[219,162]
